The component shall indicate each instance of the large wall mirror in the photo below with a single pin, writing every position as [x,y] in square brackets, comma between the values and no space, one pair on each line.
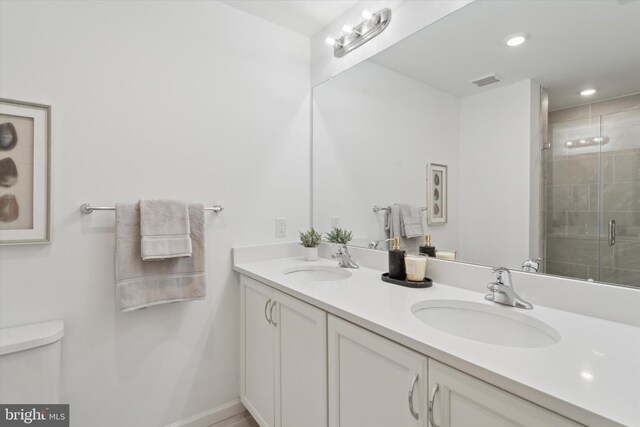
[533,168]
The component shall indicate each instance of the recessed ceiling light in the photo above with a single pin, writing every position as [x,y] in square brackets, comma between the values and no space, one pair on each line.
[516,40]
[588,92]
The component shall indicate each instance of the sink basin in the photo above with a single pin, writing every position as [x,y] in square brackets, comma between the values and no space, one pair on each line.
[318,273]
[486,323]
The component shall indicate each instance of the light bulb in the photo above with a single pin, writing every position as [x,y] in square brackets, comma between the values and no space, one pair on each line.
[347,29]
[366,15]
[569,143]
[330,41]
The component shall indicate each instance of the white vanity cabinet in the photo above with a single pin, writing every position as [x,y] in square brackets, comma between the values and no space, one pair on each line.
[460,400]
[373,381]
[283,358]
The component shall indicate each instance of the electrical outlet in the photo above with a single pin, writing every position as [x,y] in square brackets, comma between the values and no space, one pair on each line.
[335,221]
[281,227]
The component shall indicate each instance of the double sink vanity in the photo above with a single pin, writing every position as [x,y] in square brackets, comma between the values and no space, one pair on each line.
[323,345]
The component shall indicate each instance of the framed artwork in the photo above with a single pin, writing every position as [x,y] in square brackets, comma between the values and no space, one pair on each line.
[25,172]
[436,194]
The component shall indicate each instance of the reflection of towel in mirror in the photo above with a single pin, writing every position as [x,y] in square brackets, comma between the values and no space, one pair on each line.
[392,221]
[410,224]
[392,225]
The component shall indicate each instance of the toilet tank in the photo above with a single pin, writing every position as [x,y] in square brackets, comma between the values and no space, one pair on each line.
[30,363]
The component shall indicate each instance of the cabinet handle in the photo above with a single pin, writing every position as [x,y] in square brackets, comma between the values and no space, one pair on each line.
[434,391]
[412,386]
[265,310]
[271,315]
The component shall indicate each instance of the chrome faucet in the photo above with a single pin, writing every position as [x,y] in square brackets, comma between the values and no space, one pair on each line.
[344,258]
[531,265]
[502,291]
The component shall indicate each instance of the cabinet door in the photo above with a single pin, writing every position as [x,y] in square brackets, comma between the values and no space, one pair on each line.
[371,380]
[462,400]
[301,363]
[257,371]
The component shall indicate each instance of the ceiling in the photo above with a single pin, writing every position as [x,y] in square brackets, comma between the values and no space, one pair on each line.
[306,17]
[572,45]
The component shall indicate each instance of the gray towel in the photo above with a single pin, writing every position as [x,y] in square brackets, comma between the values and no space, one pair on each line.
[410,222]
[392,221]
[141,284]
[392,225]
[164,227]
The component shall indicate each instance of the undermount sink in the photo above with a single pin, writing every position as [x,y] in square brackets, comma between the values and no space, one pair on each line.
[318,273]
[486,323]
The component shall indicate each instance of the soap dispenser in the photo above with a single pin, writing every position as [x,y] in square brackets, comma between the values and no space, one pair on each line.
[426,248]
[397,269]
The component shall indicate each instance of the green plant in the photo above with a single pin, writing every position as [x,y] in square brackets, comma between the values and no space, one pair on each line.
[310,239]
[339,236]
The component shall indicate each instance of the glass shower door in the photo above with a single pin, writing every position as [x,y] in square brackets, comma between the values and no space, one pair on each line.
[619,198]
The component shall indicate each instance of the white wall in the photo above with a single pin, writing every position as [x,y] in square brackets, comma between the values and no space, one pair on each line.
[375,131]
[496,131]
[408,16]
[189,100]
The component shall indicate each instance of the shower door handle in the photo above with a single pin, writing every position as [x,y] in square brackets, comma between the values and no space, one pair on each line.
[612,232]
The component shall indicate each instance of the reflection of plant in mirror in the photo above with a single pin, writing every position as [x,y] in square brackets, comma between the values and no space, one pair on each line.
[310,239]
[339,236]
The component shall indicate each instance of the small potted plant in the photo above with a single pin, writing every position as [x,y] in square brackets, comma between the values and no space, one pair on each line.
[339,236]
[310,240]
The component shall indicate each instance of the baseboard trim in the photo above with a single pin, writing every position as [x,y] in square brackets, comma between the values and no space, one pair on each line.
[212,416]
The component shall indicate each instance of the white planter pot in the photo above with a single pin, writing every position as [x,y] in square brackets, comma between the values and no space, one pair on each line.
[310,254]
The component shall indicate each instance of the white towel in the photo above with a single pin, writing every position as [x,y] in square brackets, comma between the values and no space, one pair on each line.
[141,284]
[164,226]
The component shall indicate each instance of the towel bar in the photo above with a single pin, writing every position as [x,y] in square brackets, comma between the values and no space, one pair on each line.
[86,208]
[377,209]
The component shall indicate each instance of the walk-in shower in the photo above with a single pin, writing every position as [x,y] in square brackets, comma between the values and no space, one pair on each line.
[592,192]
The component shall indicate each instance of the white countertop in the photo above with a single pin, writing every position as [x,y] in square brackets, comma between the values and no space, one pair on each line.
[591,376]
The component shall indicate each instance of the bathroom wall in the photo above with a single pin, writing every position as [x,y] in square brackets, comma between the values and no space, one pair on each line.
[408,16]
[497,130]
[367,154]
[189,100]
[582,179]
[375,131]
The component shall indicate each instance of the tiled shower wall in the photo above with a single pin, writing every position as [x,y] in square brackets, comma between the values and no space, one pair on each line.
[576,235]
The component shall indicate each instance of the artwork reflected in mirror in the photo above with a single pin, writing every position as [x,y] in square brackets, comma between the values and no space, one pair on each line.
[537,165]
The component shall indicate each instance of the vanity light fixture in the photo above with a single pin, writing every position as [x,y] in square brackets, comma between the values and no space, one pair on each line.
[516,40]
[354,37]
[587,142]
[588,92]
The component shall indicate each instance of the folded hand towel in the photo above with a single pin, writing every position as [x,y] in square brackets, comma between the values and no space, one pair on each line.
[141,284]
[410,223]
[164,225]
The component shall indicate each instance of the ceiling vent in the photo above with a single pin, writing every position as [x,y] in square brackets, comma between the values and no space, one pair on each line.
[486,80]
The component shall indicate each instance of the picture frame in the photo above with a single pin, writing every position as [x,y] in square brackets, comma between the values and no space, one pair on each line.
[25,172]
[436,194]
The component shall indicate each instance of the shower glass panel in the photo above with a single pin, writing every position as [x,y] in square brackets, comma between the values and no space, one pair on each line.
[572,203]
[592,184]
[619,260]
